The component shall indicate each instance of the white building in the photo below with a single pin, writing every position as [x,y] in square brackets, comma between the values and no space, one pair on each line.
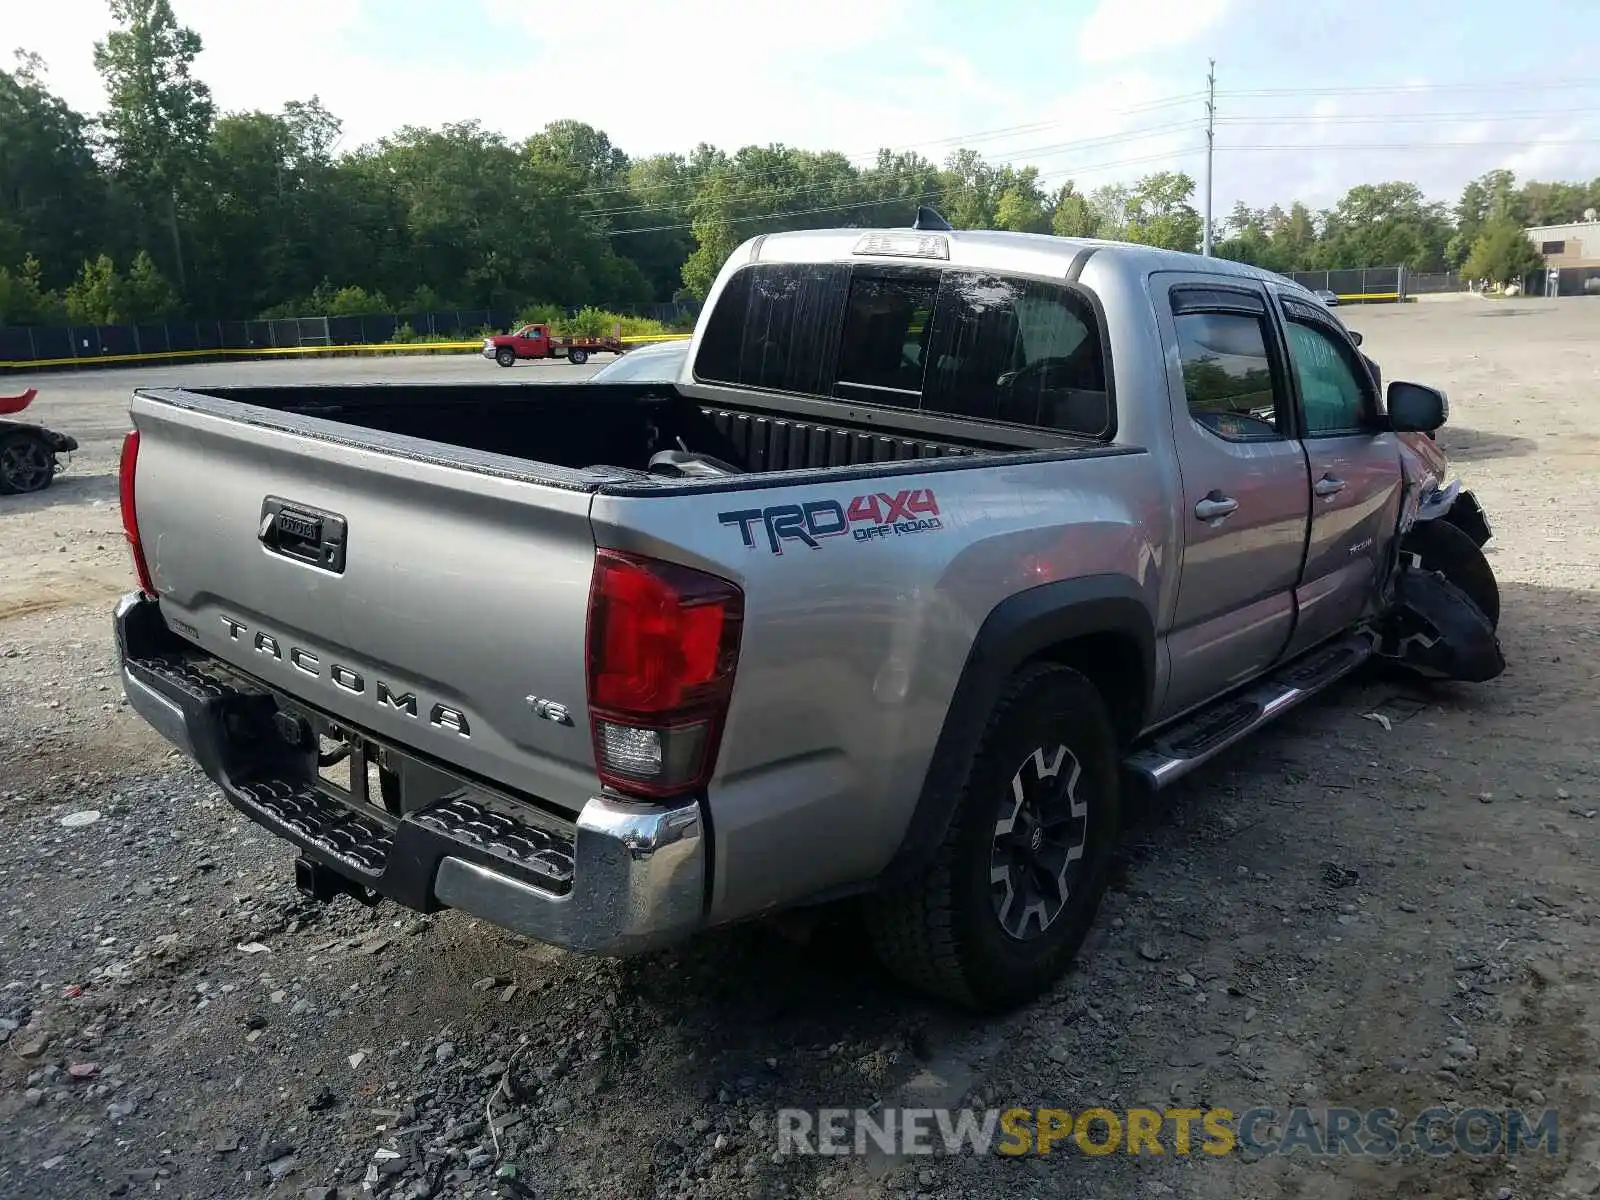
[1571,254]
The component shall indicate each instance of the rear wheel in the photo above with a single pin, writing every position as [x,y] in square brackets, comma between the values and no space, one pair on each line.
[577,357]
[27,464]
[1000,913]
[1446,549]
[506,356]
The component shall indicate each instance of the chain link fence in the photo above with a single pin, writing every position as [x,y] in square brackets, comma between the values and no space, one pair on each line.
[1433,283]
[1357,284]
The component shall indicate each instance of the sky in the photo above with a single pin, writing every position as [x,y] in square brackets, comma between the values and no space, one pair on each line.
[1312,97]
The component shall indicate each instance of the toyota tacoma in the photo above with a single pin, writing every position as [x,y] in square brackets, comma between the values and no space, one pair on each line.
[940,543]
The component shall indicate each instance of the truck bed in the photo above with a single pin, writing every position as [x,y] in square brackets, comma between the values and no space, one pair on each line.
[601,436]
[417,561]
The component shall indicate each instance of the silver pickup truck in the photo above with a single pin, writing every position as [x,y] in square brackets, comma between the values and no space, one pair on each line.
[941,542]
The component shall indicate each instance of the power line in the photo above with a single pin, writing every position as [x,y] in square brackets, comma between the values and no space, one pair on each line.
[922,198]
[958,141]
[1527,114]
[1079,169]
[730,170]
[1523,142]
[1400,88]
[1046,151]
[1064,172]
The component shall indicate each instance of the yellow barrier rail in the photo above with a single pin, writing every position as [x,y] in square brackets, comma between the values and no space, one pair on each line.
[291,351]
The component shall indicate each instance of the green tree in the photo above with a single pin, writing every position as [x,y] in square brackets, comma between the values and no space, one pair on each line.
[1109,206]
[159,114]
[1021,204]
[256,211]
[1502,253]
[1385,224]
[1159,212]
[1491,196]
[1247,239]
[1071,214]
[52,196]
[146,295]
[23,299]
[763,189]
[1294,236]
[582,149]
[95,297]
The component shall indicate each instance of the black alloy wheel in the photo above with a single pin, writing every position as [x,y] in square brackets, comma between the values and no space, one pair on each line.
[26,464]
[1039,843]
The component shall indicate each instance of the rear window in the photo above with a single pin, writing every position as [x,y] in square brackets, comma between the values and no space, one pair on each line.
[774,327]
[1021,351]
[948,342]
[887,323]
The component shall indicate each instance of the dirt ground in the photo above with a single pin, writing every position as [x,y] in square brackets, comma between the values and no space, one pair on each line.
[1344,912]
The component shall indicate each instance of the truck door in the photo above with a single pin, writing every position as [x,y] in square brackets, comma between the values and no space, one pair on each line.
[532,342]
[1246,500]
[1355,475]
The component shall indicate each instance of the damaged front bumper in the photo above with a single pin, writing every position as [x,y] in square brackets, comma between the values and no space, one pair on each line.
[1459,507]
[622,878]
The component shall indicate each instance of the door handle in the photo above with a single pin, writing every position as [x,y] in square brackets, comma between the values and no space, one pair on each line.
[1328,486]
[1215,506]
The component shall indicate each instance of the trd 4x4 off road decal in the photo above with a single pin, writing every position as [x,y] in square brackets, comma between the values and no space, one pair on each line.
[865,518]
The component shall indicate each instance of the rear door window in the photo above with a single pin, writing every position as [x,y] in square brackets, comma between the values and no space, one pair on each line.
[1228,377]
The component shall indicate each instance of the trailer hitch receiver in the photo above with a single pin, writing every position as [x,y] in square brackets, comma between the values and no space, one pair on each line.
[323,884]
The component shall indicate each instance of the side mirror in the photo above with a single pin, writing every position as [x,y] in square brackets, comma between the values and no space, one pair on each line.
[1416,408]
[1355,335]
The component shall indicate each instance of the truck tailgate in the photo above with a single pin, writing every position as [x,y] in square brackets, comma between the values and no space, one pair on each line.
[446,603]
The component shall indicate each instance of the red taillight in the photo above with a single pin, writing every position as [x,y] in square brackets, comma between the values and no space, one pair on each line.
[130,518]
[663,643]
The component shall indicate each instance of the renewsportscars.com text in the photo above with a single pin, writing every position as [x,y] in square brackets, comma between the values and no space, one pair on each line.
[1376,1132]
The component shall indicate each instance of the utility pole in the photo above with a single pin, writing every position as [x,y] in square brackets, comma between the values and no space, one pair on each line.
[1211,146]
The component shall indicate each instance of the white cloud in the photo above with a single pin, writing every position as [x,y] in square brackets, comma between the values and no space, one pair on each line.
[1122,29]
[664,77]
[849,75]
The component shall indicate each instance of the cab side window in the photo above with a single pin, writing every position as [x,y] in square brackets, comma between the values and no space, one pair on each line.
[1333,396]
[1229,378]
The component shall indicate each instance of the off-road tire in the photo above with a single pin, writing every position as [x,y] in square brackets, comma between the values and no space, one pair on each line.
[506,356]
[577,357]
[1448,550]
[939,933]
[27,464]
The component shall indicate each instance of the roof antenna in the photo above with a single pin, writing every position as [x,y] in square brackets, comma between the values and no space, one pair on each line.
[927,218]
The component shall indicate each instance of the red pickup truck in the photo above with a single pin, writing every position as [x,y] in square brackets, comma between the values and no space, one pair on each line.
[536,341]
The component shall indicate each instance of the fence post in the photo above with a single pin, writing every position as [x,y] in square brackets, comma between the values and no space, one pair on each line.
[33,346]
[1402,284]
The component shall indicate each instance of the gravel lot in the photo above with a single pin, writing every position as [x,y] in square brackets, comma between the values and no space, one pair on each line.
[1344,912]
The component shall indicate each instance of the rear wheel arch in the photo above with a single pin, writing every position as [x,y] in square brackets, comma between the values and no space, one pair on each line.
[1100,625]
[1114,662]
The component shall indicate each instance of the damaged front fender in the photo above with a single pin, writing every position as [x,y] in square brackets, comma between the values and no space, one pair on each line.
[1435,629]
